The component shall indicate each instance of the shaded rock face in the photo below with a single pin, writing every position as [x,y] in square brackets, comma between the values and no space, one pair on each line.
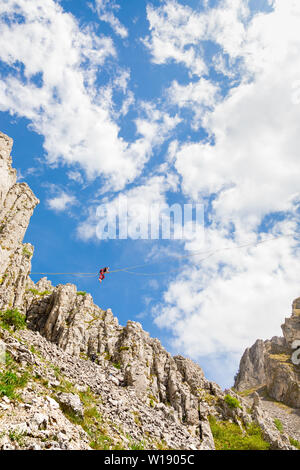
[17,203]
[139,384]
[269,363]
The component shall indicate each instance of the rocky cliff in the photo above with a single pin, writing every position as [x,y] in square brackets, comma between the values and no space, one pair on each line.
[79,380]
[274,364]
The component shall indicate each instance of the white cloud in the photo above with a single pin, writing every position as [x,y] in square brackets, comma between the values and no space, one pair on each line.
[172,36]
[68,108]
[254,163]
[137,202]
[105,10]
[250,163]
[177,32]
[75,176]
[221,305]
[61,202]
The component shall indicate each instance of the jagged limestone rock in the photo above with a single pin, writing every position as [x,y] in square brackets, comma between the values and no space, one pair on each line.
[16,208]
[73,321]
[269,363]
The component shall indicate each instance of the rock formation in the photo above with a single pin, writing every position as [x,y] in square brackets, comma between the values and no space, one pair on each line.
[269,363]
[92,383]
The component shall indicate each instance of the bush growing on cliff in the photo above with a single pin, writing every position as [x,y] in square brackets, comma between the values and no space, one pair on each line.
[229,436]
[232,402]
[12,318]
[36,292]
[295,443]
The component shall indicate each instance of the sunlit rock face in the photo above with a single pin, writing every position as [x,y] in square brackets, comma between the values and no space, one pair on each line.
[269,363]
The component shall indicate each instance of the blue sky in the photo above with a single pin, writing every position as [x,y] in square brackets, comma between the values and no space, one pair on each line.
[161,102]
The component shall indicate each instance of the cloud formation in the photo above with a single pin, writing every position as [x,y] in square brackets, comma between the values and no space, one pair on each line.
[178,33]
[61,202]
[248,165]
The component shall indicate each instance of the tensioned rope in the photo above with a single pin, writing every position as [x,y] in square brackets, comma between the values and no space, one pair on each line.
[209,256]
[195,253]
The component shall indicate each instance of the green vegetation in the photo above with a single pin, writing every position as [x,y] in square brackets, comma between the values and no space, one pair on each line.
[2,279]
[117,365]
[295,443]
[83,356]
[162,445]
[56,371]
[229,436]
[12,319]
[124,348]
[278,424]
[83,293]
[36,292]
[232,402]
[281,357]
[64,386]
[153,400]
[17,436]
[136,418]
[27,253]
[92,421]
[35,351]
[137,445]
[10,379]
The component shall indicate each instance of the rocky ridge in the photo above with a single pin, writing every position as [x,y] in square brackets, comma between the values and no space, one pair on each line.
[269,364]
[92,383]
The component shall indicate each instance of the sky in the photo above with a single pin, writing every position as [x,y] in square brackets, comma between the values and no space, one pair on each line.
[161,102]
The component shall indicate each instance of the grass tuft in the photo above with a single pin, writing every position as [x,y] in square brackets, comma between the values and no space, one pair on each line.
[11,380]
[229,436]
[12,318]
[278,424]
[295,443]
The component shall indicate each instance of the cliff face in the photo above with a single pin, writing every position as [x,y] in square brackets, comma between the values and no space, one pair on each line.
[17,203]
[90,380]
[269,363]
